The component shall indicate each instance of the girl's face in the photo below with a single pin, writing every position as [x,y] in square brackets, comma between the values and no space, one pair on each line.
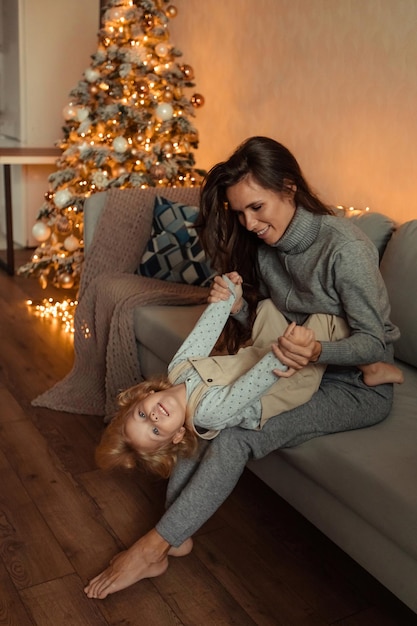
[265,212]
[156,420]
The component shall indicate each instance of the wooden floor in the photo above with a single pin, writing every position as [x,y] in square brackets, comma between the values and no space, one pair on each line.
[256,561]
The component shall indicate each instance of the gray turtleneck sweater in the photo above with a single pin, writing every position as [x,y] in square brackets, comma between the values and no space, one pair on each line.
[326,264]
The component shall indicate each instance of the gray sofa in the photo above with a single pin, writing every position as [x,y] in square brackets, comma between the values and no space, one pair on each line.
[358,487]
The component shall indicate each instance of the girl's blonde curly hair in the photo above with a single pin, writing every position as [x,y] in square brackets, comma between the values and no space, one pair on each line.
[114,449]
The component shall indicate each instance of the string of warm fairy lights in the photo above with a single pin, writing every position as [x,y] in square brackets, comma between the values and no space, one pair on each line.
[351,211]
[63,312]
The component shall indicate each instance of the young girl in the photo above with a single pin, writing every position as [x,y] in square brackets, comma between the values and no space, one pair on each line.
[162,418]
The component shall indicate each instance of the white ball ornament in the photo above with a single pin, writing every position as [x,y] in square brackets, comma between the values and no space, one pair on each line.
[83,147]
[82,114]
[164,111]
[62,198]
[91,75]
[41,231]
[115,14]
[71,243]
[120,144]
[162,49]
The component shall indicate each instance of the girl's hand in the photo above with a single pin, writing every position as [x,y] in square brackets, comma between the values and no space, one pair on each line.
[296,348]
[220,291]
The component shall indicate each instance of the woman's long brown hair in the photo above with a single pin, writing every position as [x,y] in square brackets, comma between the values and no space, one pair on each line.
[227,244]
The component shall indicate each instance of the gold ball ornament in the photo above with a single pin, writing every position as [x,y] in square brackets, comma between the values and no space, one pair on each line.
[167,147]
[63,225]
[158,171]
[168,95]
[142,87]
[152,63]
[197,100]
[66,281]
[69,112]
[188,71]
[171,11]
[148,21]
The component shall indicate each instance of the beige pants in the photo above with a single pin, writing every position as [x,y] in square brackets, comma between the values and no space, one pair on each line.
[288,393]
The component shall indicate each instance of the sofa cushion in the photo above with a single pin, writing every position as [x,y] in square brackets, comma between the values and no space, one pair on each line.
[399,270]
[174,252]
[377,227]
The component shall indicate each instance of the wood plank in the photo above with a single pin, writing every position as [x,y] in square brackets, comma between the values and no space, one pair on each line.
[28,548]
[72,515]
[296,548]
[123,504]
[62,601]
[374,616]
[12,610]
[266,596]
[199,597]
[140,604]
[11,410]
[65,434]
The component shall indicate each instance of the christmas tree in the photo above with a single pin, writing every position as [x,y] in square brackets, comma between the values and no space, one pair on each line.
[127,124]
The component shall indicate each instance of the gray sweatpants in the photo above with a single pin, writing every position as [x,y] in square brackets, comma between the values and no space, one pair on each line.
[200,485]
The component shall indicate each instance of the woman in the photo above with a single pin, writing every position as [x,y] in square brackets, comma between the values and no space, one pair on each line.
[259,216]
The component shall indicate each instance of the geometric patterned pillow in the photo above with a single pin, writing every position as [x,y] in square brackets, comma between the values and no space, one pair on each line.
[174,252]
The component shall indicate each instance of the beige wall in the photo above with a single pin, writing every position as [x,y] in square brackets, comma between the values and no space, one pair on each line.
[334,80]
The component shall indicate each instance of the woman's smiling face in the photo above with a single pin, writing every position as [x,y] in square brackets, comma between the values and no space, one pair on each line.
[265,212]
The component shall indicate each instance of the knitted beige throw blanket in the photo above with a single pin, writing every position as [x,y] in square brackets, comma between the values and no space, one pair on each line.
[105,353]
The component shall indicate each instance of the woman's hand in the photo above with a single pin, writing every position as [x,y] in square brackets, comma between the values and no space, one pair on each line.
[296,348]
[220,290]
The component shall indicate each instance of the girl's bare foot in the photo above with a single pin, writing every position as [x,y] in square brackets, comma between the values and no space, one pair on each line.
[381,373]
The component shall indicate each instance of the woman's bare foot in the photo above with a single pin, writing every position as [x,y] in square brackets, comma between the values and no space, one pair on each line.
[182,550]
[147,558]
[381,373]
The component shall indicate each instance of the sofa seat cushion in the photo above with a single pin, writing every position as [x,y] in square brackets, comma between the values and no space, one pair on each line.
[372,471]
[162,329]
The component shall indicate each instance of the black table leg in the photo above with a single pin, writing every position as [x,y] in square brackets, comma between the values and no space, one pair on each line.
[8,265]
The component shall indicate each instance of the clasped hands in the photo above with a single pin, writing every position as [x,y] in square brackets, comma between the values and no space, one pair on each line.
[296,348]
